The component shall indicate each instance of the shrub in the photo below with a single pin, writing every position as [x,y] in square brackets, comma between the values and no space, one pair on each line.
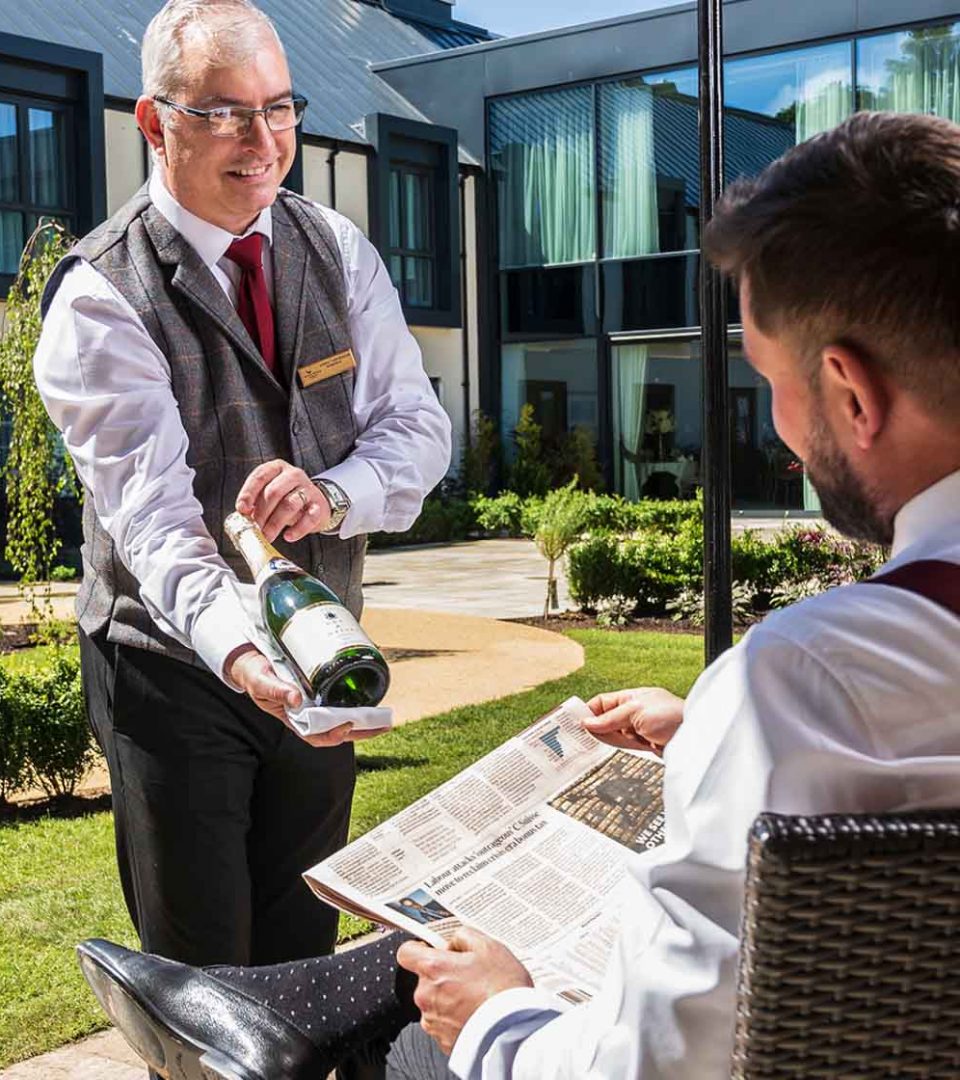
[63,573]
[444,518]
[660,569]
[13,747]
[529,472]
[481,457]
[691,604]
[503,513]
[519,516]
[577,459]
[47,706]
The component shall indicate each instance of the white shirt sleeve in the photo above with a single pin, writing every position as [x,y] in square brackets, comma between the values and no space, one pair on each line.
[403,449]
[768,727]
[107,388]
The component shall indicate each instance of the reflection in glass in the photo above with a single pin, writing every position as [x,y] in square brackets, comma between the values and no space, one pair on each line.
[554,302]
[11,241]
[658,430]
[394,223]
[416,202]
[651,294]
[628,173]
[418,282]
[542,152]
[776,101]
[917,71]
[559,379]
[46,168]
[410,235]
[9,171]
[657,427]
[650,169]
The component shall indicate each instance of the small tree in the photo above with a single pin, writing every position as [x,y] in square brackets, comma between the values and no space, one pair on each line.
[530,474]
[561,522]
[36,470]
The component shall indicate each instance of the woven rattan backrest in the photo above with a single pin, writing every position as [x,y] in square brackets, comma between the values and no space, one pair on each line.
[850,949]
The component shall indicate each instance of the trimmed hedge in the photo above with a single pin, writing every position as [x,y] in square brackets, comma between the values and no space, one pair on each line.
[517,516]
[650,569]
[442,520]
[45,740]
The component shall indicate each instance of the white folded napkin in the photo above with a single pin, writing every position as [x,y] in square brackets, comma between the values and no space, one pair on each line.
[310,718]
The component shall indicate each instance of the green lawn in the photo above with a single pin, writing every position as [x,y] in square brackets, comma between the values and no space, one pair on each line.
[58,882]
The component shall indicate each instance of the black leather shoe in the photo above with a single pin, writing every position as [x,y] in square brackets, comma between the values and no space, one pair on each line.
[187,1025]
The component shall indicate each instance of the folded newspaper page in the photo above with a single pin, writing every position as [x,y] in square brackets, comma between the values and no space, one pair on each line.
[531,845]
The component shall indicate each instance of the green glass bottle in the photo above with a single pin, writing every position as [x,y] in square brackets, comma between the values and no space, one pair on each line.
[333,659]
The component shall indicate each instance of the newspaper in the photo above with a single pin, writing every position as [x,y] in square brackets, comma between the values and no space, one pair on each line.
[531,845]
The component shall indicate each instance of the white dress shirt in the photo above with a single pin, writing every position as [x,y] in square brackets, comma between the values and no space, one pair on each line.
[847,702]
[108,389]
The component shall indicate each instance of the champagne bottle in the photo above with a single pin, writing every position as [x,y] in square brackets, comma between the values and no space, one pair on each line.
[331,656]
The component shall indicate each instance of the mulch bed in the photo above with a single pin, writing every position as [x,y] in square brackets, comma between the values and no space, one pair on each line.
[579,620]
[13,638]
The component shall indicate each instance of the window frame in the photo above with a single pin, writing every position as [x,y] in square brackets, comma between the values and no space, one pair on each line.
[421,147]
[58,78]
[429,253]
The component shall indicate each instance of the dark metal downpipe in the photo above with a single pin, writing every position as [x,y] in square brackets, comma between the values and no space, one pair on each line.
[716,464]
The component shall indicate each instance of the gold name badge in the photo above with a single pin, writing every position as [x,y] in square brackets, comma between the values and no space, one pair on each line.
[326,368]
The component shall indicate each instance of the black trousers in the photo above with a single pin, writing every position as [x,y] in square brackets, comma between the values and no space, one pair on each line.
[218,810]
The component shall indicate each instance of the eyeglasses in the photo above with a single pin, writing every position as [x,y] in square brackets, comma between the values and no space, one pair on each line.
[233,122]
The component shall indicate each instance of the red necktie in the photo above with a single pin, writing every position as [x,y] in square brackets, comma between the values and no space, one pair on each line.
[253,303]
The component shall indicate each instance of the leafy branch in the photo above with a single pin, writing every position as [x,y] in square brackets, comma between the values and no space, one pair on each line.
[36,469]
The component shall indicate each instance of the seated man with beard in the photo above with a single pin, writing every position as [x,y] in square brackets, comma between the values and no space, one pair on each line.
[847,256]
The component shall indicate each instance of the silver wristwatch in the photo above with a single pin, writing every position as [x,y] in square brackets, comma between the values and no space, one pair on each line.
[338,500]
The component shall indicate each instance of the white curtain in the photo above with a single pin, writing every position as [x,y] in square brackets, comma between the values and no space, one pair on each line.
[543,150]
[631,391]
[44,158]
[630,225]
[821,105]
[927,78]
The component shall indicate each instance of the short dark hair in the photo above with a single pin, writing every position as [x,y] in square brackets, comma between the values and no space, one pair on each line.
[854,238]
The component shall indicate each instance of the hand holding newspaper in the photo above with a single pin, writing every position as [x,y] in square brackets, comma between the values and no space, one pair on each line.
[531,845]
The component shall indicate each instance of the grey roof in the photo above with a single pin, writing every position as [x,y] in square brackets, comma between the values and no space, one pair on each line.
[330,45]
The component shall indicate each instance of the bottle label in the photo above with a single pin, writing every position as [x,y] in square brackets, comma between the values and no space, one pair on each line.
[314,635]
[277,565]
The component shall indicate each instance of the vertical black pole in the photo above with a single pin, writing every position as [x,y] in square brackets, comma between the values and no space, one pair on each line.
[713,339]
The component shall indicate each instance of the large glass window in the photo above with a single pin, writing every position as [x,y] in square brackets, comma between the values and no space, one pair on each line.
[559,379]
[649,171]
[411,252]
[658,430]
[542,155]
[775,101]
[33,174]
[914,71]
[657,426]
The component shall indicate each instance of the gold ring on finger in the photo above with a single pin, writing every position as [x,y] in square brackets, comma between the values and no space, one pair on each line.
[304,501]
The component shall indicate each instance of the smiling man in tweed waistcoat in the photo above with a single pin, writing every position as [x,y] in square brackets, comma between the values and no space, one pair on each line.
[175,342]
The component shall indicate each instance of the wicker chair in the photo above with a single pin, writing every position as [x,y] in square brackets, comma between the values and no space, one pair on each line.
[850,950]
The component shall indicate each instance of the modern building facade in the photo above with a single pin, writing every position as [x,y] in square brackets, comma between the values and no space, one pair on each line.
[69,145]
[588,138]
[536,198]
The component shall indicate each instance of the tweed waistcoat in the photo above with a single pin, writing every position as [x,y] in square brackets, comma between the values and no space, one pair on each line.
[236,413]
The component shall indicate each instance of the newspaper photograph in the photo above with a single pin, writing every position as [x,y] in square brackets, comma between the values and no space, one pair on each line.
[529,845]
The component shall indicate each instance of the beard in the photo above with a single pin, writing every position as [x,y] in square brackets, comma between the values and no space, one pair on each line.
[847,503]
